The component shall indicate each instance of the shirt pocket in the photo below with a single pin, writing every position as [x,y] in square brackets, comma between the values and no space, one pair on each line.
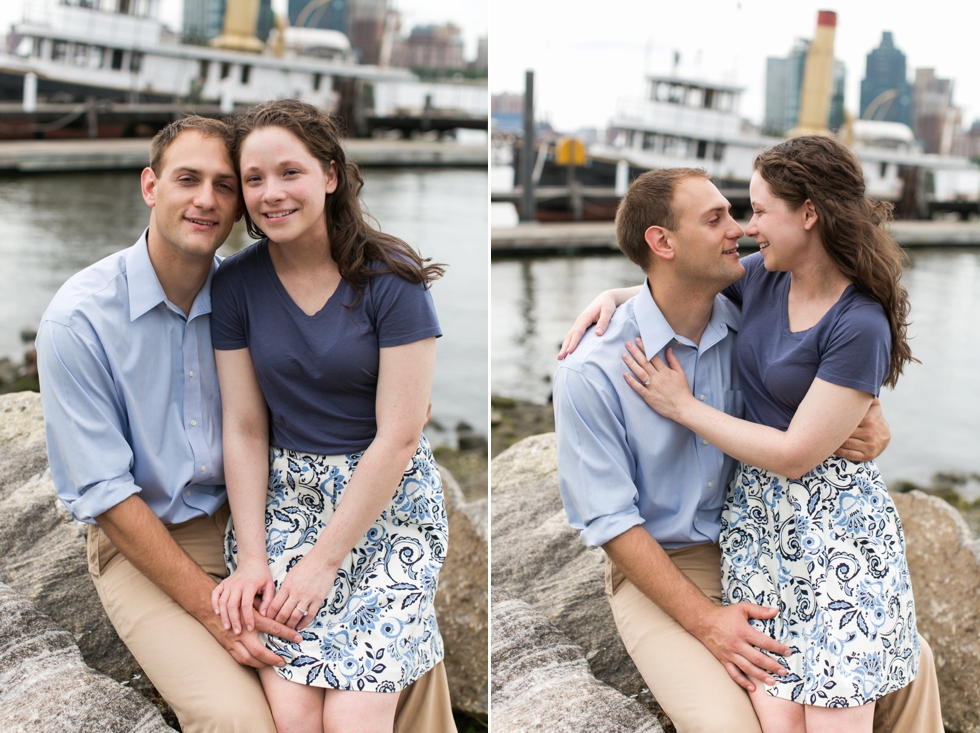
[734,405]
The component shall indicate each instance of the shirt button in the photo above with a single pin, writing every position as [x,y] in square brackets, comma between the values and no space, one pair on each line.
[704,442]
[188,325]
[191,372]
[193,422]
[188,493]
[203,469]
[695,519]
[710,484]
[701,398]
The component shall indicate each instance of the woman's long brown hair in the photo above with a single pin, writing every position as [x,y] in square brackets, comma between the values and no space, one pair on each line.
[354,246]
[851,225]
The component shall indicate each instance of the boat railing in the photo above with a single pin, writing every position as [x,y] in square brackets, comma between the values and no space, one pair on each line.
[91,25]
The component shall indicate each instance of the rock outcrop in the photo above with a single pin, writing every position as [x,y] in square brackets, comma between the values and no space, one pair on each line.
[542,682]
[538,559]
[46,686]
[42,556]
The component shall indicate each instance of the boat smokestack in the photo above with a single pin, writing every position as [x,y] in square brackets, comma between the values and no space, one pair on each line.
[818,75]
[238,33]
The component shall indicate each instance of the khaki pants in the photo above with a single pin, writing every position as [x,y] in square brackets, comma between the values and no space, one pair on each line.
[208,690]
[693,687]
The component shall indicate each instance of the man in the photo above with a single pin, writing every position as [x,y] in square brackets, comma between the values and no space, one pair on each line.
[650,493]
[133,423]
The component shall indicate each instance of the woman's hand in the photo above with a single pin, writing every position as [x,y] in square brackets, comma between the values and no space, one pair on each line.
[599,312]
[663,387]
[234,597]
[307,585]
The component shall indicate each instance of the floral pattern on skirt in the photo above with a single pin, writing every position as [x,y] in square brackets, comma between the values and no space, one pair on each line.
[377,631]
[828,551]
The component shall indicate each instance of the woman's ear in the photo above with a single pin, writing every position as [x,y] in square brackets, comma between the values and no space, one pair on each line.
[809,215]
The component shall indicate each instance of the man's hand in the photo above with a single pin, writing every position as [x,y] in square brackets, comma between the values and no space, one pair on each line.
[246,648]
[870,437]
[726,632]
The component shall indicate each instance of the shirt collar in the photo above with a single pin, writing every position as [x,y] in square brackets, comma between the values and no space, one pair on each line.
[145,290]
[657,333]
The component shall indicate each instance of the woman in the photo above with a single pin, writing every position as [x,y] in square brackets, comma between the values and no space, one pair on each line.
[324,335]
[823,327]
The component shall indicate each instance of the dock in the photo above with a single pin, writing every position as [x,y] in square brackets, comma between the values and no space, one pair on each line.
[566,238]
[54,156]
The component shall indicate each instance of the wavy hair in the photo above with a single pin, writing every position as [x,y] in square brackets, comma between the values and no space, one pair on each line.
[356,247]
[851,225]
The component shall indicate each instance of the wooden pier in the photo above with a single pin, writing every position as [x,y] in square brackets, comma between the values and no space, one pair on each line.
[537,239]
[52,156]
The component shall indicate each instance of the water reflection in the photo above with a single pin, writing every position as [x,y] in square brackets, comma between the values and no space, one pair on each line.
[934,412]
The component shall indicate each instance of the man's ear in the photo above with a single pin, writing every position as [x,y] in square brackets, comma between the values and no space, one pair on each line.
[148,185]
[809,215]
[658,241]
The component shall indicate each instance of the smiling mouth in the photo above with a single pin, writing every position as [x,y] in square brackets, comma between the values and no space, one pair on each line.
[279,214]
[202,222]
[732,251]
[763,245]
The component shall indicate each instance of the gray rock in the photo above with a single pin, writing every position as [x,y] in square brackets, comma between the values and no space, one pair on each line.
[45,686]
[539,559]
[461,601]
[541,681]
[944,561]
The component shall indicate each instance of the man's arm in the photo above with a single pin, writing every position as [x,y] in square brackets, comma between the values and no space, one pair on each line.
[870,437]
[592,443]
[724,630]
[143,540]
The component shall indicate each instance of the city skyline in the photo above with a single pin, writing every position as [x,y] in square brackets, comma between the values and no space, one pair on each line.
[605,56]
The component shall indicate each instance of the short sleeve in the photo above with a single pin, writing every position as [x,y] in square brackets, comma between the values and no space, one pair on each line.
[403,311]
[858,351]
[752,264]
[228,309]
[596,467]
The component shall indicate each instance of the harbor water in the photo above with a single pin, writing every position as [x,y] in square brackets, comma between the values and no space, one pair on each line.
[55,225]
[934,412]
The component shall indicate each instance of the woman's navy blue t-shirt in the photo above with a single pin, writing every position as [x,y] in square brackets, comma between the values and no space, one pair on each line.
[850,346]
[319,373]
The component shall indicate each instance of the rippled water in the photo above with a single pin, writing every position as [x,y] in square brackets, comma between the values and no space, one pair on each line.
[53,226]
[934,412]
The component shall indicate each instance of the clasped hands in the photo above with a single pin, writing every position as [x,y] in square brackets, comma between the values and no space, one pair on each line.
[250,590]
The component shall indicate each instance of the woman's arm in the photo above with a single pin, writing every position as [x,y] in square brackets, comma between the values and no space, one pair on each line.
[404,384]
[245,444]
[827,415]
[599,311]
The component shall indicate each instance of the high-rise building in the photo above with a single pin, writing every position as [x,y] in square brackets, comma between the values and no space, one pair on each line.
[932,111]
[431,47]
[885,88]
[205,19]
[332,15]
[368,23]
[784,82]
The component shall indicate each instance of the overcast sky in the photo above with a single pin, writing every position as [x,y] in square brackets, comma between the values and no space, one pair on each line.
[585,57]
[470,15]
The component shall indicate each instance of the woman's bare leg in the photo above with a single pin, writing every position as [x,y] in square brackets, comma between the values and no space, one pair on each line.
[296,708]
[840,720]
[777,715]
[359,712]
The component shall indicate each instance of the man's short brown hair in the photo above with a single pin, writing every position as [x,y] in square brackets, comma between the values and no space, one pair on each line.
[205,126]
[649,203]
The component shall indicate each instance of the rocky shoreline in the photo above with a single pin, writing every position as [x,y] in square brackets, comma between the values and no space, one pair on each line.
[50,606]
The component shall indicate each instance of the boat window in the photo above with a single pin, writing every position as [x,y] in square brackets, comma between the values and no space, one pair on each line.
[676,94]
[225,69]
[59,50]
[97,58]
[134,61]
[884,169]
[694,96]
[317,78]
[117,55]
[709,98]
[246,71]
[719,152]
[202,72]
[80,57]
[702,149]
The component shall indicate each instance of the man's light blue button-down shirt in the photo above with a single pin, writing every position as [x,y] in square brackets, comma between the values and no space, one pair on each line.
[620,464]
[130,393]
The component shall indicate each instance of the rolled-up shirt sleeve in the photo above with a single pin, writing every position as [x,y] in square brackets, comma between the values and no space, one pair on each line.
[596,468]
[91,460]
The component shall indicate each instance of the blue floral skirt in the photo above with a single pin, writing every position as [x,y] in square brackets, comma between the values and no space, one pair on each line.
[828,551]
[377,631]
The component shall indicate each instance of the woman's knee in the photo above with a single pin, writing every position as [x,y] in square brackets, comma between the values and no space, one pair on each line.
[359,712]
